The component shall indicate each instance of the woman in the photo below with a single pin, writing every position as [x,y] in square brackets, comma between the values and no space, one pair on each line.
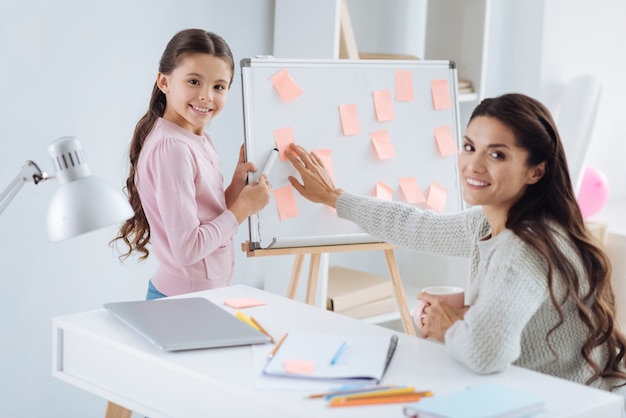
[539,289]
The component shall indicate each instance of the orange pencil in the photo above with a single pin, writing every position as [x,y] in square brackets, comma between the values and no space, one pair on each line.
[413,397]
[277,346]
[255,322]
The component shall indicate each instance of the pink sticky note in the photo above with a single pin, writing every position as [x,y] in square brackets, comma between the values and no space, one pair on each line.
[299,366]
[382,145]
[286,87]
[441,94]
[241,303]
[436,198]
[283,137]
[349,119]
[445,141]
[404,86]
[383,105]
[327,160]
[285,202]
[411,190]
[382,191]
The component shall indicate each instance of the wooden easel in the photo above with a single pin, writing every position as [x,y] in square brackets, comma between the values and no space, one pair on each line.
[314,266]
[117,411]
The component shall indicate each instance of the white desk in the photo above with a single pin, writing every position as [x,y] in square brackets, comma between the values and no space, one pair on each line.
[96,352]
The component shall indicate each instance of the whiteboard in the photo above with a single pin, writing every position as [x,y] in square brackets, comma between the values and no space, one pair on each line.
[314,119]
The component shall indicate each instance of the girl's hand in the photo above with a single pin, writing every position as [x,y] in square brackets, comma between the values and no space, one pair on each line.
[240,178]
[438,317]
[317,186]
[253,198]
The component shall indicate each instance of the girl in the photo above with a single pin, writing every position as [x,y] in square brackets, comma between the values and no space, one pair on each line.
[539,287]
[175,184]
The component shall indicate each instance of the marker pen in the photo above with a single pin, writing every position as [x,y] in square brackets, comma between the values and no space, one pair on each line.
[271,160]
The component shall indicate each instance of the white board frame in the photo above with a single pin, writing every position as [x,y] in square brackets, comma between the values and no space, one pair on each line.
[314,119]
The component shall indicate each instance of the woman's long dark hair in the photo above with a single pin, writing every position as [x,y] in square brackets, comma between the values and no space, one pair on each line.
[552,200]
[135,232]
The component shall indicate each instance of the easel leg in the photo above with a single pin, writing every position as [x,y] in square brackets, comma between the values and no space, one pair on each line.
[314,270]
[116,411]
[400,295]
[295,276]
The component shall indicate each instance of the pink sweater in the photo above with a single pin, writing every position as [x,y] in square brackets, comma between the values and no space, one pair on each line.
[182,192]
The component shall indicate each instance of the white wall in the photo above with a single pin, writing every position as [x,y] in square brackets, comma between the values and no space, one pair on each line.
[86,69]
[537,46]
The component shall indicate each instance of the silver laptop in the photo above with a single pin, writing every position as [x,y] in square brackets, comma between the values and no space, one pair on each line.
[185,323]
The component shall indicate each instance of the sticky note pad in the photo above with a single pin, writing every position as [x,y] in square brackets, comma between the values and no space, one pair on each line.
[299,366]
[241,303]
[285,202]
[383,106]
[382,145]
[327,160]
[436,198]
[445,141]
[382,191]
[286,87]
[411,190]
[404,86]
[283,137]
[349,119]
[441,94]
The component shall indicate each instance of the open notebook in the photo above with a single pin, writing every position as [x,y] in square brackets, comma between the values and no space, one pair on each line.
[324,355]
[176,324]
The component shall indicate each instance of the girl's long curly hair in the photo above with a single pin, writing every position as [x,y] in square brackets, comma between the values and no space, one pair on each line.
[135,232]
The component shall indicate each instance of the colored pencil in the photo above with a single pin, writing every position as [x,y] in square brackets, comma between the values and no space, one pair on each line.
[245,319]
[277,346]
[260,327]
[412,397]
[350,391]
[378,393]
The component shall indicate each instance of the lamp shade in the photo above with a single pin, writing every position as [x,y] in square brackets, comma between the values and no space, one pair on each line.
[82,202]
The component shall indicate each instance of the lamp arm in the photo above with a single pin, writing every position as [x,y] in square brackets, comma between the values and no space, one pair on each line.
[30,172]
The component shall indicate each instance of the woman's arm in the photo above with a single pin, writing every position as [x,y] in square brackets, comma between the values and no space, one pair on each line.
[511,290]
[393,222]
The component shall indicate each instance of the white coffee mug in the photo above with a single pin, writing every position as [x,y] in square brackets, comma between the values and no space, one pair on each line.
[451,295]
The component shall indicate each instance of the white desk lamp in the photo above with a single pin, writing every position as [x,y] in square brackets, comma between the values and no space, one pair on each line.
[82,202]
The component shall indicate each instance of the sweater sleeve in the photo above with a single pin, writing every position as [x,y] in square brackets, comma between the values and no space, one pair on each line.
[512,289]
[407,226]
[173,173]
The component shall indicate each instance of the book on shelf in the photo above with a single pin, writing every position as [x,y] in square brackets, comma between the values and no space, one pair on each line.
[348,288]
[374,308]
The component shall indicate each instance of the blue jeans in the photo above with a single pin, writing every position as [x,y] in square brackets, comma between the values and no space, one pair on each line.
[153,293]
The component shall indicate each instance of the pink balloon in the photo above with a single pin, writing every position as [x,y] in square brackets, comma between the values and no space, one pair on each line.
[593,193]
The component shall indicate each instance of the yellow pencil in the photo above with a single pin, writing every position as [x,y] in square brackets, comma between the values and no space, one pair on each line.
[245,319]
[411,397]
[347,392]
[378,393]
[260,327]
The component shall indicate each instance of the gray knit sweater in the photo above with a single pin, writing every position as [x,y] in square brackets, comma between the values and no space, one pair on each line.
[511,312]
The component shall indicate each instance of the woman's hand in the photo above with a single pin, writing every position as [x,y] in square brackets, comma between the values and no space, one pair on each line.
[316,186]
[438,317]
